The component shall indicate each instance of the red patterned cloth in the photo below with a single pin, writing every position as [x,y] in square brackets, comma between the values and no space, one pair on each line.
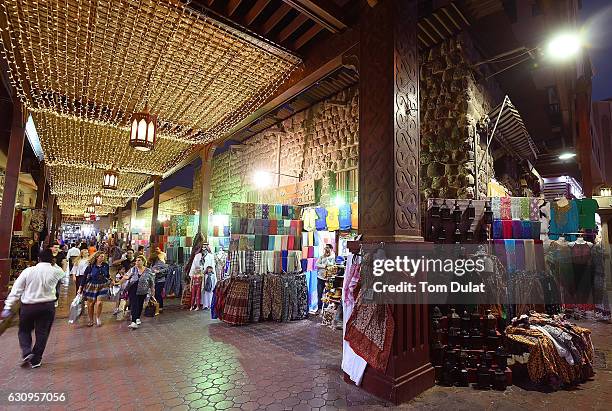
[369,331]
[236,302]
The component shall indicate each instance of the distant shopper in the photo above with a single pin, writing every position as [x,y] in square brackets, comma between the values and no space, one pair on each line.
[141,250]
[72,254]
[35,287]
[95,286]
[140,283]
[59,258]
[92,248]
[160,269]
[129,261]
[160,254]
[80,265]
[327,259]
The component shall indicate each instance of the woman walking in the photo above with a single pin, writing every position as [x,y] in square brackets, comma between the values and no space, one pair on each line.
[140,283]
[96,286]
[160,269]
[79,265]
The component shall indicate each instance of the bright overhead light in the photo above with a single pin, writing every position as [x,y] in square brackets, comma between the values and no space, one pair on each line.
[262,179]
[339,200]
[566,156]
[564,46]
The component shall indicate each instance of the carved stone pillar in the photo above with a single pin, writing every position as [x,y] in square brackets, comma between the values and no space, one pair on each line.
[205,179]
[11,181]
[389,204]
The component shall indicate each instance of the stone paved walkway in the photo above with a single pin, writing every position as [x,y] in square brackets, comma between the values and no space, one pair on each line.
[183,360]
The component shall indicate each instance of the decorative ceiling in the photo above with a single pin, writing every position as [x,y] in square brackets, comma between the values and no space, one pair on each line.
[82,68]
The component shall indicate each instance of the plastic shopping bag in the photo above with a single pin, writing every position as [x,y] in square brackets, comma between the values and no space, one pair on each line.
[76,308]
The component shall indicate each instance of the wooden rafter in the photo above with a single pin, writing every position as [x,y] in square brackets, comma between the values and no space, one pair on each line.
[321,12]
[275,18]
[307,36]
[255,11]
[295,24]
[232,5]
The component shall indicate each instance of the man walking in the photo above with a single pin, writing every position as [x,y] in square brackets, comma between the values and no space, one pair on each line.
[35,287]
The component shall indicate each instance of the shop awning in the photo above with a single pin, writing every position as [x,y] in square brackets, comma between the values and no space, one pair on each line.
[512,133]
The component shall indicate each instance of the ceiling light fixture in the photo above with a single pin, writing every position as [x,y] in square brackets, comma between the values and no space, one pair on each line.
[110,180]
[566,156]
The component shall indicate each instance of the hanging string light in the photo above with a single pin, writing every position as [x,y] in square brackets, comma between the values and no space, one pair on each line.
[110,180]
[97,200]
[144,130]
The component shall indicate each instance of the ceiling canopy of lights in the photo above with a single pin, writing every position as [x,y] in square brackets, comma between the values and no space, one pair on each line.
[83,68]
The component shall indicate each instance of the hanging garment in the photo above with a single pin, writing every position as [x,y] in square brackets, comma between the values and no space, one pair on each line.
[496,207]
[321,221]
[506,208]
[587,207]
[352,364]
[344,217]
[563,219]
[534,209]
[332,219]
[354,216]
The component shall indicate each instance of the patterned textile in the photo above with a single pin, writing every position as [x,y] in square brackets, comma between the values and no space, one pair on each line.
[545,364]
[534,209]
[265,211]
[255,298]
[93,291]
[505,208]
[37,222]
[257,262]
[235,308]
[249,257]
[370,328]
[515,207]
[525,210]
[234,263]
[496,207]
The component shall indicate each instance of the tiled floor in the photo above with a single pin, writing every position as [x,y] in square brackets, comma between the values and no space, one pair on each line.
[183,360]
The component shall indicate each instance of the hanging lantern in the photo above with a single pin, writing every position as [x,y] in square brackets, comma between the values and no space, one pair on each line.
[91,209]
[97,200]
[86,215]
[110,180]
[143,131]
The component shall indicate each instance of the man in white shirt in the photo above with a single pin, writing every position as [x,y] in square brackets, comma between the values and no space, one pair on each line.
[35,287]
[72,253]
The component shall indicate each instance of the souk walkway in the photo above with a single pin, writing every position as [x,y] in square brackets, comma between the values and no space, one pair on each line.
[183,360]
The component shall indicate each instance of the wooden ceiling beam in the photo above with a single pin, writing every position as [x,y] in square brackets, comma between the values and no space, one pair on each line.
[307,36]
[275,18]
[255,11]
[322,12]
[295,24]
[232,5]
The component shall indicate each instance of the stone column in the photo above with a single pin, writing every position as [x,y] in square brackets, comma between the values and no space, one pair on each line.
[11,181]
[155,212]
[389,203]
[205,179]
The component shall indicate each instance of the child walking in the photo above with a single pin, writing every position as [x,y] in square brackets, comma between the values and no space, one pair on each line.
[210,280]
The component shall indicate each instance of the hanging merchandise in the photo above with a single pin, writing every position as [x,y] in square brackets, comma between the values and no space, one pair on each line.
[321,222]
[332,221]
[564,218]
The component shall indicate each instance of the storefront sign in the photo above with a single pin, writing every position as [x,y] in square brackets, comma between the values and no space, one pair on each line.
[302,193]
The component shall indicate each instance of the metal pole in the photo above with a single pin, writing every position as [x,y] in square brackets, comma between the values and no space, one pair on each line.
[491,136]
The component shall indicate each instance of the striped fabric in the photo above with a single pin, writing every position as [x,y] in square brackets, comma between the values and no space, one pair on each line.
[512,133]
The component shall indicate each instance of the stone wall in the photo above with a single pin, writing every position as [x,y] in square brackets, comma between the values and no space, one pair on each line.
[454,107]
[315,143]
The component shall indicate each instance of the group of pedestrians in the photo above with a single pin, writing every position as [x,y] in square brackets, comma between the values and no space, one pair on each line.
[37,289]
